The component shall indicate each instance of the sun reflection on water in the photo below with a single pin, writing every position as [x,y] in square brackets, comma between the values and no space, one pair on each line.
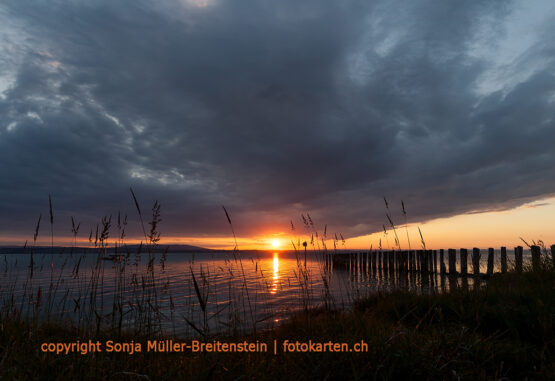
[275,277]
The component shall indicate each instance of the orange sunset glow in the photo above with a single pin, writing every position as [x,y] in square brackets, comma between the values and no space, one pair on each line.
[531,221]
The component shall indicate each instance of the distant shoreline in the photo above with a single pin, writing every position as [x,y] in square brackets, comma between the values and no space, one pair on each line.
[110,249]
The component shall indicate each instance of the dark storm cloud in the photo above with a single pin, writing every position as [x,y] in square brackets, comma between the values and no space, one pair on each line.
[271,108]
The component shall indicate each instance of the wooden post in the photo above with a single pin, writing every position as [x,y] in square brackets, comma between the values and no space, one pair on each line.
[441,262]
[553,256]
[367,256]
[476,261]
[518,259]
[536,255]
[392,261]
[490,261]
[419,260]
[452,261]
[435,261]
[365,261]
[464,261]
[503,259]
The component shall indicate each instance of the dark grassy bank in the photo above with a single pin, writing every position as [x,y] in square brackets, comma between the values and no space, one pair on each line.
[504,330]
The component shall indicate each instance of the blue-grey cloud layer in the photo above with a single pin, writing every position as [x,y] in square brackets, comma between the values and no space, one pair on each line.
[271,108]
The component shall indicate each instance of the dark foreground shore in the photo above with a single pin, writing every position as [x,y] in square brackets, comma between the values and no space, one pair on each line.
[502,331]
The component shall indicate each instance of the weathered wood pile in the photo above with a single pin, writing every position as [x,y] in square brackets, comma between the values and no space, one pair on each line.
[434,261]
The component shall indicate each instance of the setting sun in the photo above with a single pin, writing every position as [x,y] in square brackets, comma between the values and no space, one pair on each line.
[276,243]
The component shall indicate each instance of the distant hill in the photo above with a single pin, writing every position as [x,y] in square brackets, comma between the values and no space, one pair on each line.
[131,248]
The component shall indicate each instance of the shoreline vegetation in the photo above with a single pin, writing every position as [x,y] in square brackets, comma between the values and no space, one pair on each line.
[502,329]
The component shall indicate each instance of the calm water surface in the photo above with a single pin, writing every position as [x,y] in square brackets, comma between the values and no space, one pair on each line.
[192,292]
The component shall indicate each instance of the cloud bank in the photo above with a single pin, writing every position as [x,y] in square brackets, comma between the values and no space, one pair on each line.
[274,108]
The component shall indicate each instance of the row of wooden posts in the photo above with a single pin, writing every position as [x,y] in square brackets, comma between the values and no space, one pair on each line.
[426,261]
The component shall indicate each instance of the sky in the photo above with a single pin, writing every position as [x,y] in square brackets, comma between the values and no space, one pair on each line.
[276,109]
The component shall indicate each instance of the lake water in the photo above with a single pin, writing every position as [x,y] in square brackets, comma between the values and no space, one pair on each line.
[190,293]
